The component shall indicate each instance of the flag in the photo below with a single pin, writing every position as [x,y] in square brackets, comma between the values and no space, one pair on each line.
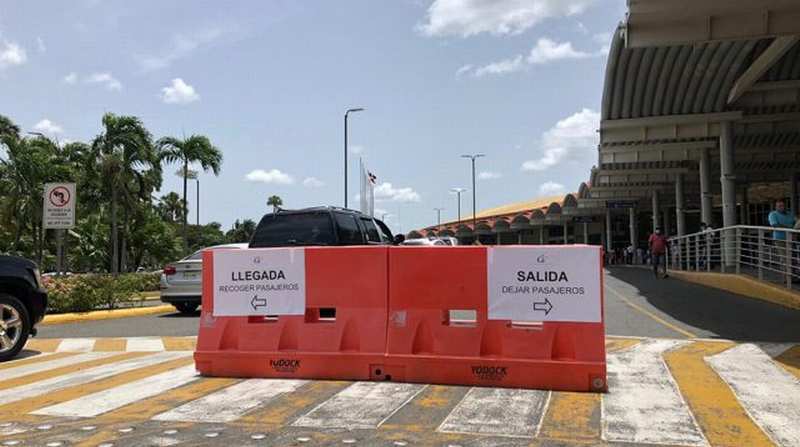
[368,180]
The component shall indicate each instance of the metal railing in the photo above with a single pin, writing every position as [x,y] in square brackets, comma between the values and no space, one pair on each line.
[766,253]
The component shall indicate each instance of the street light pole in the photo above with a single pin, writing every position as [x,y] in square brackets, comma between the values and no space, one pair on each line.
[197,179]
[346,114]
[438,215]
[458,192]
[473,157]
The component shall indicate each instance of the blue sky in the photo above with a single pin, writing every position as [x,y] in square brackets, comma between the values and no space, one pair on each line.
[268,83]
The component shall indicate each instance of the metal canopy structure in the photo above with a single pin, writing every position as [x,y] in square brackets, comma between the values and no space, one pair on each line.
[701,100]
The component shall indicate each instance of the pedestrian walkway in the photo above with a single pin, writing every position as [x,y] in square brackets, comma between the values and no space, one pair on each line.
[692,392]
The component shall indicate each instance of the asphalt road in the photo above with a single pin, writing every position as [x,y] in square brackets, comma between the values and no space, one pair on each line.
[635,305]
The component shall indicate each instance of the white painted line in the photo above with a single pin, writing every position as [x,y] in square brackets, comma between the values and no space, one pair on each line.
[76,345]
[107,400]
[34,368]
[145,344]
[80,377]
[768,392]
[498,412]
[643,404]
[362,405]
[231,403]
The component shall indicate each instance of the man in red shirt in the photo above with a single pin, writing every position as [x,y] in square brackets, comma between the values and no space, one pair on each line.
[658,250]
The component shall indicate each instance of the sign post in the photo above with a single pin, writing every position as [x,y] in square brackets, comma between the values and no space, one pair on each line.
[59,214]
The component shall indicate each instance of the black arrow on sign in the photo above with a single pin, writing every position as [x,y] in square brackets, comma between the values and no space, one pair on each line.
[545,307]
[257,302]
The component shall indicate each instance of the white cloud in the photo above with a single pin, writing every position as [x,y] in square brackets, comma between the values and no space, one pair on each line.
[355,150]
[11,55]
[489,175]
[104,78]
[577,132]
[182,45]
[499,17]
[71,78]
[547,50]
[179,92]
[544,52]
[273,176]
[551,188]
[385,191]
[603,39]
[48,127]
[313,182]
[40,45]
[501,67]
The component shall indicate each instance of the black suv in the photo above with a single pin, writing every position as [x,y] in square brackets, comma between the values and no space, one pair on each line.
[319,226]
[23,302]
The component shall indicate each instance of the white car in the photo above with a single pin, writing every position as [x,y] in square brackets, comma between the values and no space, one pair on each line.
[181,282]
[424,242]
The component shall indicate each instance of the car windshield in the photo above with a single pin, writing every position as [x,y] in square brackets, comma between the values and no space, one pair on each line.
[281,230]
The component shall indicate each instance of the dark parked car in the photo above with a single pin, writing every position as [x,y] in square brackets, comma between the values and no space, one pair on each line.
[23,302]
[320,226]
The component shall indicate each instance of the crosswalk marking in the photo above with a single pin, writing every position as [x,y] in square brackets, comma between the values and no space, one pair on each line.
[643,404]
[770,394]
[113,398]
[498,411]
[110,344]
[52,362]
[716,408]
[288,407]
[362,405]
[31,358]
[231,403]
[572,416]
[79,377]
[76,345]
[145,344]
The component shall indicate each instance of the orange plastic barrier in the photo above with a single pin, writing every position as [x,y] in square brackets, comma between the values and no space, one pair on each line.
[341,336]
[439,331]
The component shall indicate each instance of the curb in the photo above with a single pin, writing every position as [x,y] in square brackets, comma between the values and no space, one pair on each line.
[742,285]
[106,314]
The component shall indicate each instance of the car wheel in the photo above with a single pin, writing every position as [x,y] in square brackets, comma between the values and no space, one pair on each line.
[186,308]
[14,326]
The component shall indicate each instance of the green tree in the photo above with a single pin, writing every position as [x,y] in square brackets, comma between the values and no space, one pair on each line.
[195,149]
[8,128]
[275,202]
[170,207]
[130,168]
[241,231]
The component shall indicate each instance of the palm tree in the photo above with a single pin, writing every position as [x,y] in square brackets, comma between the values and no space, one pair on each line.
[275,202]
[195,149]
[7,127]
[124,155]
[171,207]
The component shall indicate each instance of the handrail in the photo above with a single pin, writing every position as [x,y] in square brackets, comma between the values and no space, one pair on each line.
[740,227]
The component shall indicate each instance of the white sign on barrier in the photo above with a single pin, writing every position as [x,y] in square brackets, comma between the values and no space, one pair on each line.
[259,282]
[532,284]
[59,206]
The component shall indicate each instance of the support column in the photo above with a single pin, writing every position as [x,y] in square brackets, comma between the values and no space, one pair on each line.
[793,192]
[727,176]
[656,211]
[680,204]
[634,237]
[586,233]
[609,233]
[541,235]
[666,222]
[705,187]
[566,233]
[728,181]
[744,211]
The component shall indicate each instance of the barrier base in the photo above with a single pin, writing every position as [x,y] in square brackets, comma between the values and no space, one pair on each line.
[287,365]
[562,375]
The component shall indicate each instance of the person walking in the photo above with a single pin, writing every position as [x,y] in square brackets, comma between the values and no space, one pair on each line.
[658,250]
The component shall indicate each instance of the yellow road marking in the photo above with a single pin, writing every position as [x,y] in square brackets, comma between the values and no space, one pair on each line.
[179,343]
[620,344]
[35,359]
[426,411]
[148,408]
[44,375]
[289,405]
[790,360]
[572,417]
[110,344]
[718,412]
[43,344]
[651,314]
[106,314]
[74,392]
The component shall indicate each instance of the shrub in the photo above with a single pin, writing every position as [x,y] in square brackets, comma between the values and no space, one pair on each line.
[82,293]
